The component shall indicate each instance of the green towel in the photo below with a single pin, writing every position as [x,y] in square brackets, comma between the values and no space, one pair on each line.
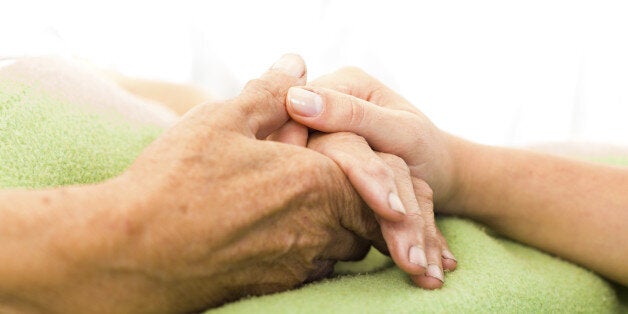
[49,141]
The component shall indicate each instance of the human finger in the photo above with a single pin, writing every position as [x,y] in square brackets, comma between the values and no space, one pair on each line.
[260,110]
[449,260]
[291,132]
[433,278]
[371,177]
[387,130]
[384,190]
[406,239]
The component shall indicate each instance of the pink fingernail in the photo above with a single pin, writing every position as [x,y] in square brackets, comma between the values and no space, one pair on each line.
[304,102]
[417,256]
[395,203]
[290,64]
[435,272]
[448,255]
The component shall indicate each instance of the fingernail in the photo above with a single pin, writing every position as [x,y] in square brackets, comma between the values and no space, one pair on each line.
[304,102]
[448,255]
[290,64]
[417,256]
[436,272]
[395,203]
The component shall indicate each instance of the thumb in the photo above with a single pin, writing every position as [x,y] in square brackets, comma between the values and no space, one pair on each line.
[386,130]
[260,107]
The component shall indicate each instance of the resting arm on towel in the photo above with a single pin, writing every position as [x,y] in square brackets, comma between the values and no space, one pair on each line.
[206,214]
[573,209]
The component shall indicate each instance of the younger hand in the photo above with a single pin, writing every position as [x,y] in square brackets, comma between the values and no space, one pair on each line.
[384,181]
[414,242]
[350,100]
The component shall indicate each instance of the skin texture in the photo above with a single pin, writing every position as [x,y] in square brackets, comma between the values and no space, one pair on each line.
[373,175]
[573,209]
[208,213]
[368,171]
[386,184]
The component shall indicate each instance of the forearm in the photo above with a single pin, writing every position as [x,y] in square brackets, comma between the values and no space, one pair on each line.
[178,97]
[573,209]
[51,244]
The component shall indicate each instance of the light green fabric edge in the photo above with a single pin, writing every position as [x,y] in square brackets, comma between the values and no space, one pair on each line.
[45,141]
[494,276]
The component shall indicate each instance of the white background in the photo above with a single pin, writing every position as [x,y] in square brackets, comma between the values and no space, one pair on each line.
[497,72]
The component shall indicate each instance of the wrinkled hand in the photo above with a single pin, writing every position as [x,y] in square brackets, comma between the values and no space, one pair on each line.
[221,214]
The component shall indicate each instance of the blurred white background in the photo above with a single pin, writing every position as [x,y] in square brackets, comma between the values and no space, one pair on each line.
[497,72]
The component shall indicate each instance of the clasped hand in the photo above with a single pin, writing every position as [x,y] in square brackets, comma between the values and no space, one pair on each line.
[238,212]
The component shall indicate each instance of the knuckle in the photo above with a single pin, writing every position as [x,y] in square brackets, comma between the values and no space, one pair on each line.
[423,190]
[318,142]
[352,71]
[329,144]
[376,93]
[261,90]
[377,169]
[356,113]
[346,138]
[350,139]
[395,162]
[415,216]
[417,219]
[430,236]
[407,117]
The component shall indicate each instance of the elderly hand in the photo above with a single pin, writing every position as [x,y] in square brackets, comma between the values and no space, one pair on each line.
[211,213]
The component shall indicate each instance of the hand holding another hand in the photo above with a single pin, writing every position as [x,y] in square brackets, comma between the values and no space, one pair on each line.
[349,100]
[219,213]
[212,213]
[392,180]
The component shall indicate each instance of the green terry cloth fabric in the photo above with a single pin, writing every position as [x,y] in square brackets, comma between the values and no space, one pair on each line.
[48,141]
[45,141]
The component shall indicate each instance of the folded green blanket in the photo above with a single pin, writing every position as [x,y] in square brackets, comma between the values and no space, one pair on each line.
[49,141]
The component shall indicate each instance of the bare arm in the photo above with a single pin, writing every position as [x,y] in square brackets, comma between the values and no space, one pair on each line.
[576,210]
[38,228]
[192,223]
[178,97]
[573,209]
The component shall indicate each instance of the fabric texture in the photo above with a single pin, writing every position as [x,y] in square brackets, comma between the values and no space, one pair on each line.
[50,141]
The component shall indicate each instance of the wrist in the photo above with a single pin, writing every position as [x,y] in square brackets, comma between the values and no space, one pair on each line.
[457,158]
[59,242]
[476,168]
